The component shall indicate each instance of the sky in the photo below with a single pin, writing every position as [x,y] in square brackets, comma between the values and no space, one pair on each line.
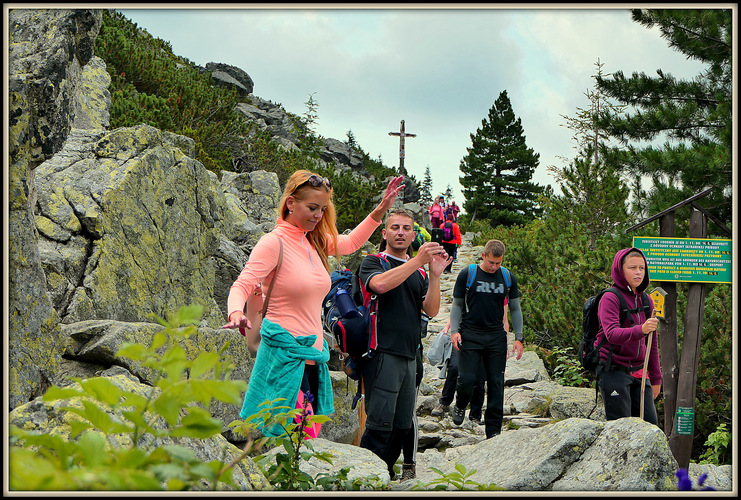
[438,67]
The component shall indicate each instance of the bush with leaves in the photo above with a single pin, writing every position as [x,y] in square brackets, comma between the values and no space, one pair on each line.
[113,443]
[458,480]
[283,470]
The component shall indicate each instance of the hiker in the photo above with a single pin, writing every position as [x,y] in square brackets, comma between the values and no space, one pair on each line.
[620,372]
[477,326]
[451,238]
[404,291]
[456,210]
[451,381]
[436,212]
[293,354]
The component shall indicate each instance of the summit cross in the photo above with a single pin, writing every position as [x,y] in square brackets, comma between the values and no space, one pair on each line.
[401,134]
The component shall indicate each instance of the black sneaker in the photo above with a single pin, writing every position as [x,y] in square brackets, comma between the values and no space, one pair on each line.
[408,471]
[457,414]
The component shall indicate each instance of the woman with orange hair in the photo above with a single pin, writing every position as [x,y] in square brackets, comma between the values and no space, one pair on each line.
[293,354]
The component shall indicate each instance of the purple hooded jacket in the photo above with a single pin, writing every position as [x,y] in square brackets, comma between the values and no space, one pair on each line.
[629,344]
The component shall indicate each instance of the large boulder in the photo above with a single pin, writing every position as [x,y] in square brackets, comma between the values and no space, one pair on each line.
[47,51]
[138,222]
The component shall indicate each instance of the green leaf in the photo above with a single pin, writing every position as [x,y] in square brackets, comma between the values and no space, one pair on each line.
[77,427]
[173,363]
[228,391]
[94,449]
[198,424]
[136,352]
[159,339]
[203,364]
[55,393]
[168,405]
[178,452]
[102,389]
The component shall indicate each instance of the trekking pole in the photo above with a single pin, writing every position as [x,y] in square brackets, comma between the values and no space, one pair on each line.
[645,366]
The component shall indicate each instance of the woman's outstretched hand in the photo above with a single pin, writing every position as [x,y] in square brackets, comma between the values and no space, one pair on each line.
[395,186]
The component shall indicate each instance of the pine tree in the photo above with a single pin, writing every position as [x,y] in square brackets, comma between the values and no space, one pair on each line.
[594,195]
[498,168]
[425,189]
[693,117]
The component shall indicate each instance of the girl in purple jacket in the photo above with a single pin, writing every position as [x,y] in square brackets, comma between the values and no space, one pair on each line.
[620,373]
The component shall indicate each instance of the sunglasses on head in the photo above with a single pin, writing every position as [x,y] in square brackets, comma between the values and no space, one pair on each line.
[317,181]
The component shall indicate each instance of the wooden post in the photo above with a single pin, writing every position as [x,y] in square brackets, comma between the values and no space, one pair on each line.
[680,440]
[668,345]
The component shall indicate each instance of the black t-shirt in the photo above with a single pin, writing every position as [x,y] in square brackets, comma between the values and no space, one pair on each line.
[399,313]
[485,315]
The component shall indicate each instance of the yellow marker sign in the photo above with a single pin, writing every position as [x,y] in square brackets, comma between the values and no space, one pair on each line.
[658,294]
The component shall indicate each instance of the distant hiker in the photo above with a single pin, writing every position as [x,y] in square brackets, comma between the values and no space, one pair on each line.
[456,210]
[436,212]
[421,235]
[620,372]
[389,372]
[451,238]
[477,326]
[293,354]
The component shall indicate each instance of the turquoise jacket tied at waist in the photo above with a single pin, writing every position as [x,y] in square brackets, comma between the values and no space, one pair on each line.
[279,370]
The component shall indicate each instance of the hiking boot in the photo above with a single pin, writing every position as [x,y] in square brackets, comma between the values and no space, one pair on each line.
[440,410]
[457,414]
[408,471]
[475,420]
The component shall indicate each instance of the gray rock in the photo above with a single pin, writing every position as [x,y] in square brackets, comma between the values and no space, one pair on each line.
[46,53]
[225,75]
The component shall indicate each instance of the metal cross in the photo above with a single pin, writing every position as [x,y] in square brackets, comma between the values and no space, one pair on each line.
[401,135]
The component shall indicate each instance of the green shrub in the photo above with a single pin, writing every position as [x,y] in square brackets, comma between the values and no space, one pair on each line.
[94,458]
[149,84]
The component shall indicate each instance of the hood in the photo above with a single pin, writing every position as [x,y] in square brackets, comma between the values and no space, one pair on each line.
[617,271]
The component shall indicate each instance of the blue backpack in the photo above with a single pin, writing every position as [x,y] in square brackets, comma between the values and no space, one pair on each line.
[355,330]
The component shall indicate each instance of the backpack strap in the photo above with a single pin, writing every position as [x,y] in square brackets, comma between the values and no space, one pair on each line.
[472,268]
[505,273]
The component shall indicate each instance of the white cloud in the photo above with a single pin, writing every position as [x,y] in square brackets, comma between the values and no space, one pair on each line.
[439,70]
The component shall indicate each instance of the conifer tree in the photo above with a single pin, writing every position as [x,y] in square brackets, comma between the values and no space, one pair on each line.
[425,189]
[693,117]
[498,168]
[594,197]
[593,193]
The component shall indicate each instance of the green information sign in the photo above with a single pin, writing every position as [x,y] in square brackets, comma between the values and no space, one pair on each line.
[685,421]
[687,259]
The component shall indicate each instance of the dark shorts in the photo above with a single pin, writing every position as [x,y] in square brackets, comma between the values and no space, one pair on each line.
[389,391]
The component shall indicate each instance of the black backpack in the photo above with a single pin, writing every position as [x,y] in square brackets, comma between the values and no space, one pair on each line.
[589,354]
[448,232]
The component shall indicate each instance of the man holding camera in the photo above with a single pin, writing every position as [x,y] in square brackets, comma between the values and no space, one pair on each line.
[404,290]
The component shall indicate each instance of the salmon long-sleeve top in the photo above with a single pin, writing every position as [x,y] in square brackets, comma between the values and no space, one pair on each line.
[302,282]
